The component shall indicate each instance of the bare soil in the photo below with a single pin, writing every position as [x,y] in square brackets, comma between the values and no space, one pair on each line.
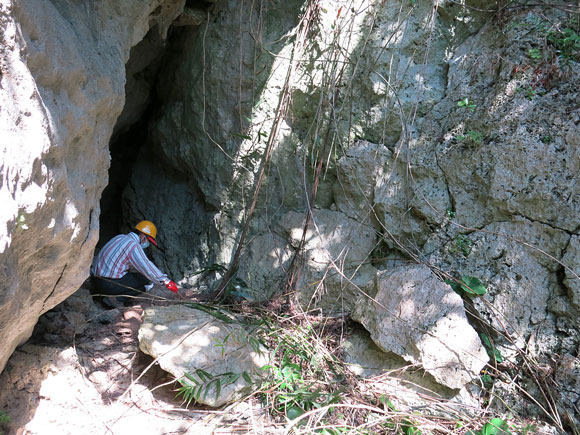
[82,373]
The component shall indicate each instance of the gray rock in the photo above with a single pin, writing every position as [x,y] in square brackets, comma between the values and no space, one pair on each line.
[519,277]
[223,357]
[336,258]
[421,319]
[61,90]
[572,261]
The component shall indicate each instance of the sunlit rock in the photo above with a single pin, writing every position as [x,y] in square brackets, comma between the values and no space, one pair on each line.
[418,317]
[224,357]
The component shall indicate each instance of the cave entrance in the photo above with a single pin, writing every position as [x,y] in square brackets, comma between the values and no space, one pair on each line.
[131,130]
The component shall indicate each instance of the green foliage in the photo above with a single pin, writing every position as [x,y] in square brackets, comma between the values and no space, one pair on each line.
[534,53]
[301,372]
[406,425]
[295,394]
[492,351]
[468,286]
[566,43]
[472,135]
[496,426]
[450,213]
[487,380]
[530,93]
[546,138]
[193,388]
[462,244]
[467,103]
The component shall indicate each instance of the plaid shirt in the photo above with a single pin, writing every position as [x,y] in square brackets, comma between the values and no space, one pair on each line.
[122,252]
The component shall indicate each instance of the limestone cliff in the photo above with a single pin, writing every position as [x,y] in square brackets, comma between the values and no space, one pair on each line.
[61,90]
[441,133]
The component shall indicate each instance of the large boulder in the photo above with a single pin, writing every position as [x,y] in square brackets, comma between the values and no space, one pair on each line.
[61,90]
[220,354]
[418,317]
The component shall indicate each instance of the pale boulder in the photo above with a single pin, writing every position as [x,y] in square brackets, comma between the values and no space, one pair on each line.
[187,340]
[420,318]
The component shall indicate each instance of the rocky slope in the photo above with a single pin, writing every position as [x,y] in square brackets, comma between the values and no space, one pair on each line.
[440,133]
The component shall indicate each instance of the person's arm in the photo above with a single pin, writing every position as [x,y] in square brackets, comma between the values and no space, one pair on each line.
[140,262]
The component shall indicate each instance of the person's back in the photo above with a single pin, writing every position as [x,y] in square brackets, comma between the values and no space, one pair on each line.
[113,259]
[111,274]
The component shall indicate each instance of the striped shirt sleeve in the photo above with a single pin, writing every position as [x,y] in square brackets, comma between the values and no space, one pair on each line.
[139,261]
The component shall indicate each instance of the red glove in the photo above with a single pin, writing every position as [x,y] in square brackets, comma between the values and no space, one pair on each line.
[171,286]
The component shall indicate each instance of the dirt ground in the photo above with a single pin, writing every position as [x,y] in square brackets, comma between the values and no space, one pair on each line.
[82,373]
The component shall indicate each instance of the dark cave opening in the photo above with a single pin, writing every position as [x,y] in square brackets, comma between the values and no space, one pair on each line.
[131,130]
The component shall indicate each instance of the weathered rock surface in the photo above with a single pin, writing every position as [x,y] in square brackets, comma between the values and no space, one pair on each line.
[572,260]
[61,91]
[486,188]
[222,356]
[568,378]
[336,257]
[420,318]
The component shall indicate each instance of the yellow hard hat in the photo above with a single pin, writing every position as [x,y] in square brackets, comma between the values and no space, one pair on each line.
[149,229]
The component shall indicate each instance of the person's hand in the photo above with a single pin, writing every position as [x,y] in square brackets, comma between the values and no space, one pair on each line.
[172,286]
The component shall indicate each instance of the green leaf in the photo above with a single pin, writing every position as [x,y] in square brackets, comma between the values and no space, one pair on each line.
[218,388]
[243,136]
[247,378]
[456,287]
[496,426]
[197,393]
[490,348]
[472,285]
[294,412]
[201,373]
[411,430]
[191,378]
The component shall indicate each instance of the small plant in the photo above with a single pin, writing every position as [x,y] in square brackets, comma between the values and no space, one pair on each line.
[302,374]
[495,426]
[566,42]
[546,138]
[450,213]
[534,53]
[192,388]
[530,93]
[406,425]
[295,395]
[466,102]
[472,135]
[490,348]
[467,286]
[462,243]
[486,380]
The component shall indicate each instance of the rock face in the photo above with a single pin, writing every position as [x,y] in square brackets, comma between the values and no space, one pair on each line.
[444,135]
[61,90]
[441,136]
[223,357]
[417,316]
[334,247]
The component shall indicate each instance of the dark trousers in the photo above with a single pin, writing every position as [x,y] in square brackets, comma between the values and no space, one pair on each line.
[132,284]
